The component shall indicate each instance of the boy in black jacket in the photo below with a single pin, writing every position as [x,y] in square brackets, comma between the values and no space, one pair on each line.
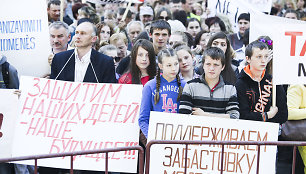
[254,88]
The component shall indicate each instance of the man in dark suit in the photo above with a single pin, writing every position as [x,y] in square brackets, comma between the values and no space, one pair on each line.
[83,64]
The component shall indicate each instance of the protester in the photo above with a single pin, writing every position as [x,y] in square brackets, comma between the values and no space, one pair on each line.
[186,61]
[236,39]
[163,13]
[54,12]
[120,41]
[155,95]
[83,64]
[133,29]
[193,26]
[59,36]
[209,95]
[221,41]
[178,37]
[215,25]
[160,32]
[142,66]
[104,33]
[146,14]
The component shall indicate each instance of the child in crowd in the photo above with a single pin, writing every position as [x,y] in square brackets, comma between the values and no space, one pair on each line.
[254,88]
[210,95]
[186,61]
[163,92]
[142,65]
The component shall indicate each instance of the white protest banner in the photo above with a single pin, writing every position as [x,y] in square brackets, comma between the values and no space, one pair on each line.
[231,8]
[24,36]
[60,116]
[267,25]
[289,48]
[8,114]
[168,159]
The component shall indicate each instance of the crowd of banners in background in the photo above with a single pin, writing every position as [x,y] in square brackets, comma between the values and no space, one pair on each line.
[207,158]
[24,36]
[59,116]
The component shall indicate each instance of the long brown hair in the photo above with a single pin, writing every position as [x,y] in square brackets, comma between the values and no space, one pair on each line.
[169,52]
[134,69]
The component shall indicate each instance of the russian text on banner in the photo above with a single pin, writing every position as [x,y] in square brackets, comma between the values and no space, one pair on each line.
[207,158]
[60,116]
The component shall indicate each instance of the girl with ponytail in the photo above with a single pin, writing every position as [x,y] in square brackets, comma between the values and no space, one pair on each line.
[163,92]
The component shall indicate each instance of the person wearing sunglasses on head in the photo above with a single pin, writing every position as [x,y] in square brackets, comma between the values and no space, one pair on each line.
[164,14]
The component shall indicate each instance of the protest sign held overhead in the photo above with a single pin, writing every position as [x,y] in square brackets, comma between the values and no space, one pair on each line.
[24,36]
[60,116]
[207,158]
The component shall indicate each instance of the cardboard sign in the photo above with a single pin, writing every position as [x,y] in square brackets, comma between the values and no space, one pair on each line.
[289,54]
[24,36]
[8,114]
[207,158]
[60,116]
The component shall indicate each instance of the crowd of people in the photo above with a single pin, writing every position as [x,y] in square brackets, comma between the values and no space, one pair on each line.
[188,61]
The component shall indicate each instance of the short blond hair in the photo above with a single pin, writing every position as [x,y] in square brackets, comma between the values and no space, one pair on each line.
[116,37]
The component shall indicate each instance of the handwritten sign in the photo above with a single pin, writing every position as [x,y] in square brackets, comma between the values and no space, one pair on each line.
[207,158]
[59,116]
[8,114]
[24,36]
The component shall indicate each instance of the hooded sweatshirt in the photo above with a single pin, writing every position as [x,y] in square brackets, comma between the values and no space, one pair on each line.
[255,98]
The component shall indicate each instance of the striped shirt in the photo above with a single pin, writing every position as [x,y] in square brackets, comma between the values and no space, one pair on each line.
[222,99]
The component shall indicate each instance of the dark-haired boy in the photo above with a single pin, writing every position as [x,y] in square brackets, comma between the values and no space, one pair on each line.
[160,32]
[236,39]
[254,88]
[210,95]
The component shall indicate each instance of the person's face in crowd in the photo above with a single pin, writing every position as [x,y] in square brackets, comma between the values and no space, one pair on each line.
[214,28]
[198,10]
[259,60]
[146,18]
[99,8]
[84,35]
[243,25]
[113,54]
[220,43]
[185,60]
[291,16]
[121,48]
[289,5]
[160,38]
[105,33]
[59,38]
[170,67]
[54,12]
[142,59]
[204,40]
[193,28]
[175,38]
[188,5]
[134,31]
[175,6]
[300,4]
[212,68]
[163,16]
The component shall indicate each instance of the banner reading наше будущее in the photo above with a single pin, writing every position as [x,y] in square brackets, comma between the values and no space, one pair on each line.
[202,159]
[59,116]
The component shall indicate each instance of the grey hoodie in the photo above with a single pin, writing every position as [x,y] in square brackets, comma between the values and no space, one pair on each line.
[13,75]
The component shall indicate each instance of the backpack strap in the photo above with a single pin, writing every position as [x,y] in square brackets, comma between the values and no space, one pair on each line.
[5,74]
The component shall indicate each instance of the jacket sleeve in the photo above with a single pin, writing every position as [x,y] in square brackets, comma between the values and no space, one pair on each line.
[294,101]
[281,102]
[145,108]
[186,104]
[109,75]
[232,107]
[13,75]
[54,71]
[244,104]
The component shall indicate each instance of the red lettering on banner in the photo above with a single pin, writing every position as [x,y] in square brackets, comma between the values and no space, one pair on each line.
[40,108]
[54,128]
[133,113]
[293,40]
[102,112]
[94,95]
[25,107]
[112,94]
[78,111]
[87,89]
[67,129]
[75,92]
[46,90]
[69,109]
[303,50]
[37,86]
[57,97]
[119,114]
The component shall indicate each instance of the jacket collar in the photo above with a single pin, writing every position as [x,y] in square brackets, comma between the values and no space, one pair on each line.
[247,71]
